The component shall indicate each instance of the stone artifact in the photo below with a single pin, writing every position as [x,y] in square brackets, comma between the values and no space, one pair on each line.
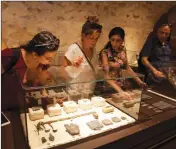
[72,129]
[51,137]
[108,109]
[98,101]
[43,139]
[95,125]
[95,115]
[53,109]
[85,104]
[130,103]
[47,127]
[70,106]
[116,119]
[36,113]
[123,118]
[107,122]
[54,127]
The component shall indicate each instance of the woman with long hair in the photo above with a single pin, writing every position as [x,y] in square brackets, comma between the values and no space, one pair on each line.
[114,60]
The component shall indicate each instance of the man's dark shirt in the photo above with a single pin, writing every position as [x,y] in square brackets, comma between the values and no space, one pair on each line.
[158,54]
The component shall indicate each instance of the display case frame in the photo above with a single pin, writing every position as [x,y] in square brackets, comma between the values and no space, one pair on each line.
[101,83]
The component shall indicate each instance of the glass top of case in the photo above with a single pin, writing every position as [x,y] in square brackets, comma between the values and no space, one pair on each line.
[167,85]
[59,75]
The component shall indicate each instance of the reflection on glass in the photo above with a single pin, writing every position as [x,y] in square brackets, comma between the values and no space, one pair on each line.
[62,97]
[166,86]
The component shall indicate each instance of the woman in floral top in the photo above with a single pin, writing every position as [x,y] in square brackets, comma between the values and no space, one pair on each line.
[114,60]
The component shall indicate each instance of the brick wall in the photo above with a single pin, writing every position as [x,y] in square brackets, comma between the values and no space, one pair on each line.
[22,20]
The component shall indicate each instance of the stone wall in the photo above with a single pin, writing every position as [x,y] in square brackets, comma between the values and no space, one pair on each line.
[22,20]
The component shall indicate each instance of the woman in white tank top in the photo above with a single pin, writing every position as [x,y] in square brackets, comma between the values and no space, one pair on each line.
[80,59]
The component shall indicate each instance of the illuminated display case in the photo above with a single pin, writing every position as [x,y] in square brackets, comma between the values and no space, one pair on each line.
[61,105]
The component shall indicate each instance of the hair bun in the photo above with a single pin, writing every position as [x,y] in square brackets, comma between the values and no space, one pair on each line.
[92,19]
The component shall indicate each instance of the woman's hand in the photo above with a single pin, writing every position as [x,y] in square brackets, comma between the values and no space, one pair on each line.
[125,96]
[122,55]
[158,74]
[116,64]
[120,62]
[77,61]
[61,100]
[142,84]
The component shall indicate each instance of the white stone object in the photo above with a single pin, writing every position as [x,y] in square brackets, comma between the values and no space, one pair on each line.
[98,101]
[53,109]
[36,114]
[70,106]
[84,104]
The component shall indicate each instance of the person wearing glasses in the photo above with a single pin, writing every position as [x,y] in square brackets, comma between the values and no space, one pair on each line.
[114,60]
[40,50]
[35,56]
[80,60]
[84,49]
[155,52]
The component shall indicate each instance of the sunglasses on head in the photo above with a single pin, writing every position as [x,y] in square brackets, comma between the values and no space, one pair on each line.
[47,44]
[43,45]
[166,24]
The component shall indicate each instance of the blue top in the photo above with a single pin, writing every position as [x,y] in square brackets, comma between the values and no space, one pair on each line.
[158,55]
[156,52]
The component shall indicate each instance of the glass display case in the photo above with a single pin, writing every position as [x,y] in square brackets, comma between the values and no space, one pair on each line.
[166,87]
[61,105]
[132,57]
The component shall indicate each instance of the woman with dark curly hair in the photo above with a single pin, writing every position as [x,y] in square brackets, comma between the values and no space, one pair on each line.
[38,53]
[40,50]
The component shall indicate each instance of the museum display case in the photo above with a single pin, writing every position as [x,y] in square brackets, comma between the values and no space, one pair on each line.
[61,105]
[166,86]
